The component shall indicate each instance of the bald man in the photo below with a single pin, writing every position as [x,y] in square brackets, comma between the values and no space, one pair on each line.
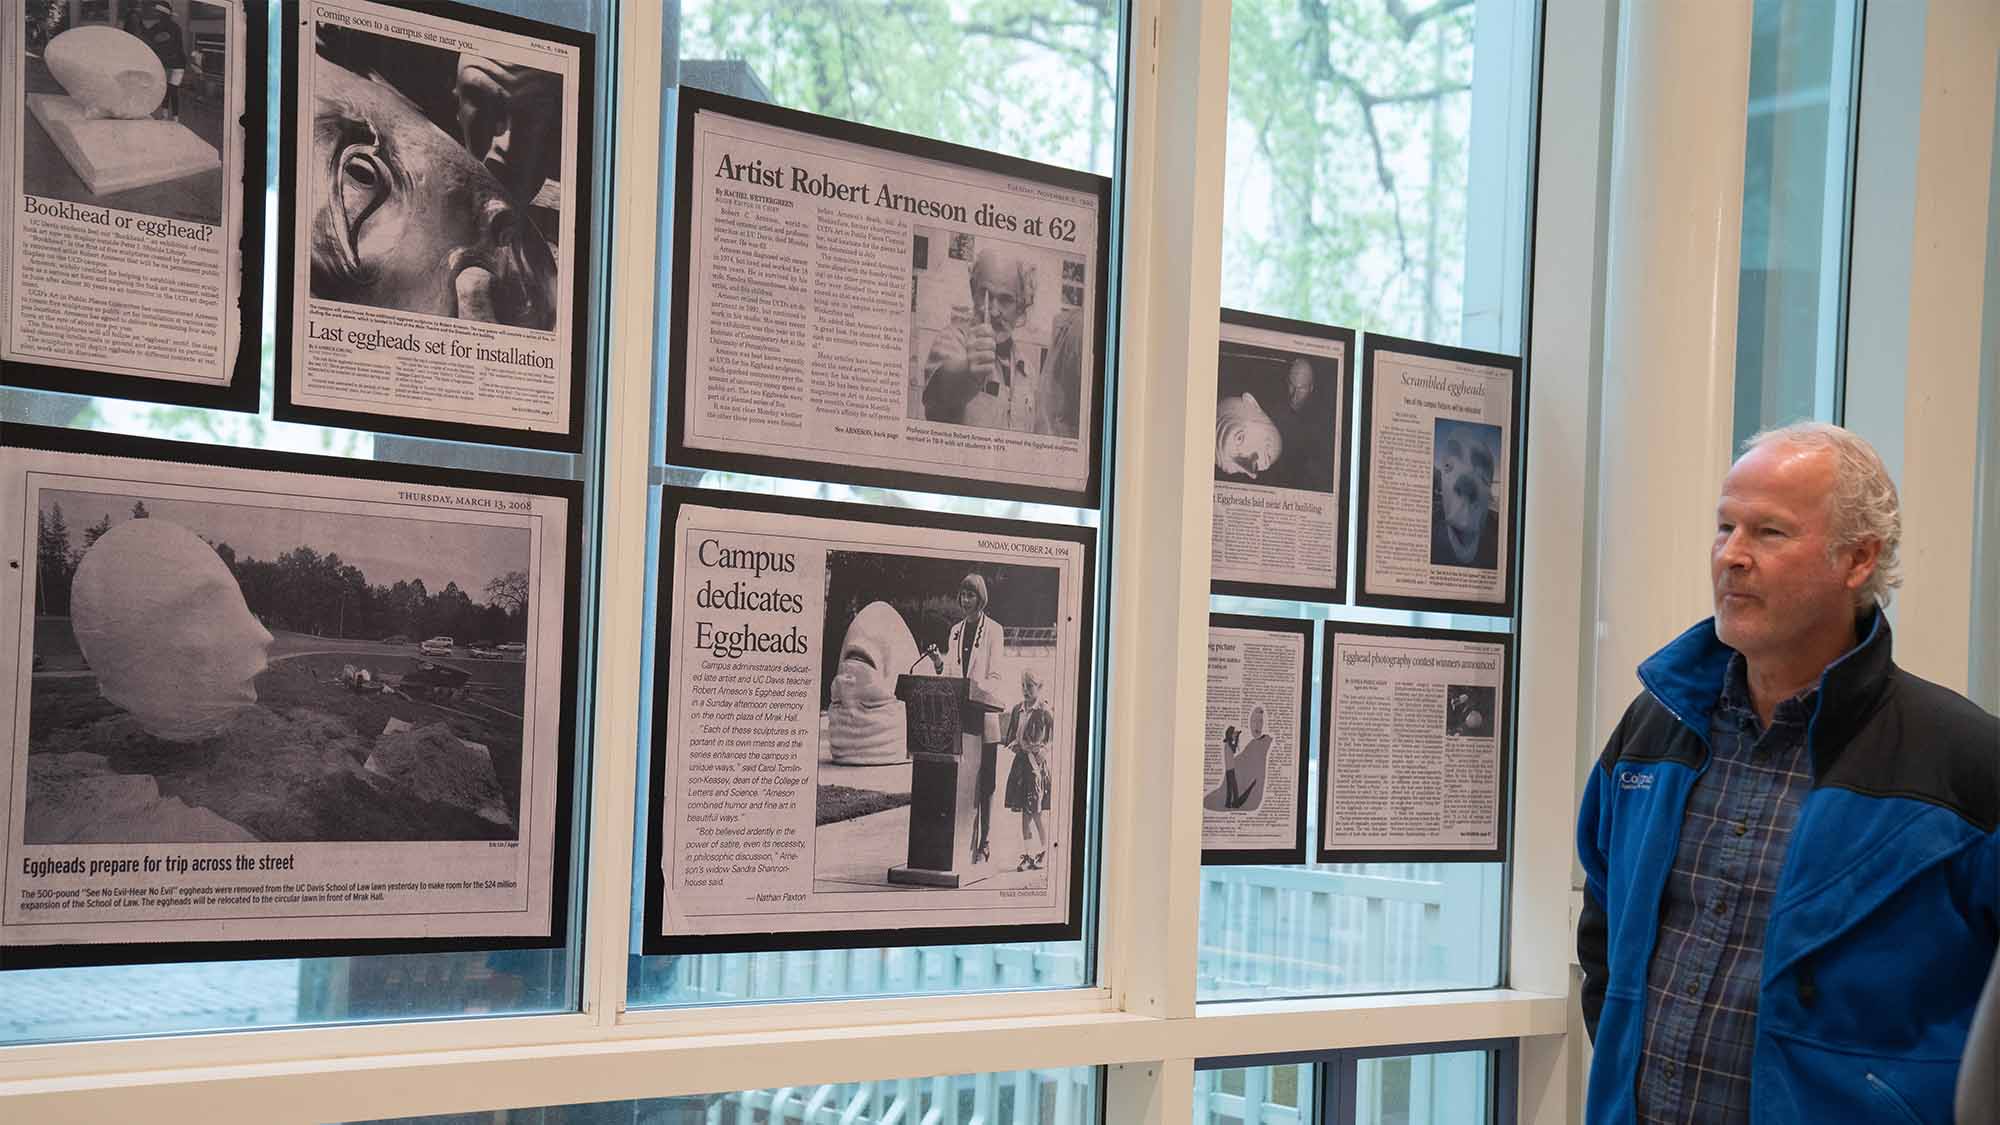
[975,376]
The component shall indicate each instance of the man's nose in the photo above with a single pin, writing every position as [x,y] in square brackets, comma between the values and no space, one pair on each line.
[1731,552]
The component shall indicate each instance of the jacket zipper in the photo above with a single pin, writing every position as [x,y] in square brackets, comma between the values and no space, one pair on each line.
[1888,1094]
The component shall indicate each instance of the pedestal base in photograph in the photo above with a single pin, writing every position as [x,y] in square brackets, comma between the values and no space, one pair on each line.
[111,154]
[944,788]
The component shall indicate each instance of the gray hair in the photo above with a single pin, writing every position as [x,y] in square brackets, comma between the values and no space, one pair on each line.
[1863,504]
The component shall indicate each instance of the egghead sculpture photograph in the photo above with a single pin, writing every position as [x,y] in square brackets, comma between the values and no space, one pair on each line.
[992,625]
[1465,521]
[1275,417]
[207,671]
[128,115]
[435,185]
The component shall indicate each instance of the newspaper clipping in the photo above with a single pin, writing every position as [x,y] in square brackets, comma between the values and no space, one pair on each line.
[123,171]
[1279,425]
[863,308]
[436,222]
[865,726]
[1414,758]
[1438,477]
[1253,761]
[265,706]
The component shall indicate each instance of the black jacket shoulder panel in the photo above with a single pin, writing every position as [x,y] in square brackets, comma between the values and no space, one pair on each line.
[1649,732]
[1928,743]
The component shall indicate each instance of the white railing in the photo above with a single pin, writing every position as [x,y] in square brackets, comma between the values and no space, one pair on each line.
[1264,931]
[1064,1096]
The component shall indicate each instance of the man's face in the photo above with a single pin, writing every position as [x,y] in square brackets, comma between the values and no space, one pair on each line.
[1299,382]
[1256,721]
[996,286]
[507,117]
[1774,578]
[1029,691]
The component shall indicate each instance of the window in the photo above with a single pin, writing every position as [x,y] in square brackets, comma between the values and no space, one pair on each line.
[935,71]
[101,1003]
[1065,1096]
[1436,1084]
[1393,199]
[1378,181]
[1791,323]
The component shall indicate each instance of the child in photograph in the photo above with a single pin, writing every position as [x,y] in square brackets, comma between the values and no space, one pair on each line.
[1032,726]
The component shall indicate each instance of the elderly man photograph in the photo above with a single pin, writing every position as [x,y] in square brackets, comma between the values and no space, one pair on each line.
[1792,875]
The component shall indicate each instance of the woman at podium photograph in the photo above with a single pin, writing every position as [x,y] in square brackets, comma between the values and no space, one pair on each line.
[1031,726]
[974,652]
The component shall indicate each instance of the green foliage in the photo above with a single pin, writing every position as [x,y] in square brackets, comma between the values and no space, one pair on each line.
[1347,199]
[55,561]
[1349,122]
[1033,78]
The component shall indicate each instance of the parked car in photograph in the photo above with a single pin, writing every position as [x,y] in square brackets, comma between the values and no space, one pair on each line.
[516,649]
[436,646]
[482,652]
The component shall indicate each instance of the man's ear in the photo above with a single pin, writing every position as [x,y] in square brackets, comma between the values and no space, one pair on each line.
[1860,560]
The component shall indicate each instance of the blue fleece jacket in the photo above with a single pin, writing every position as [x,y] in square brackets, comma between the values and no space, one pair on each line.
[1887,911]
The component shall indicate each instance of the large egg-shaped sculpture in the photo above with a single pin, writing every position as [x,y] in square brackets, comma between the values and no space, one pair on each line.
[110,72]
[163,624]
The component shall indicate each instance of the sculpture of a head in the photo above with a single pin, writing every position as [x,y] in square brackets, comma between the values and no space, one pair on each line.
[163,624]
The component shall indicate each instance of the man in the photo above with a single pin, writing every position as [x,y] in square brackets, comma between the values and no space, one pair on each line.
[975,376]
[1792,875]
[153,22]
[510,119]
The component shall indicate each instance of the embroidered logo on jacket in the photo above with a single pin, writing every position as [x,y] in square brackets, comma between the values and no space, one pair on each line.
[1634,779]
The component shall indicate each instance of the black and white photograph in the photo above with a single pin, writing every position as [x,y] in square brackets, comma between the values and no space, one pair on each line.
[855,305]
[1274,418]
[1246,752]
[128,114]
[994,338]
[1439,493]
[208,672]
[1257,720]
[866,721]
[134,157]
[1282,400]
[1465,521]
[1468,710]
[434,203]
[257,703]
[991,624]
[437,184]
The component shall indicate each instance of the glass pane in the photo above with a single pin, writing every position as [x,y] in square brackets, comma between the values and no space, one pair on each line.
[934,69]
[1067,1096]
[85,1003]
[1379,158]
[1031,78]
[1791,296]
[1255,1095]
[1452,1089]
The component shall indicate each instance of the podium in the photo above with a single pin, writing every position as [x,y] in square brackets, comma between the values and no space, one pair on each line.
[946,729]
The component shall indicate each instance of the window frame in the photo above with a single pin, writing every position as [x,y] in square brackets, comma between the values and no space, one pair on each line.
[1141,1020]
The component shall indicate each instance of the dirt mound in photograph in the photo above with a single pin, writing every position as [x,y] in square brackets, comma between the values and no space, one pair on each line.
[300,775]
